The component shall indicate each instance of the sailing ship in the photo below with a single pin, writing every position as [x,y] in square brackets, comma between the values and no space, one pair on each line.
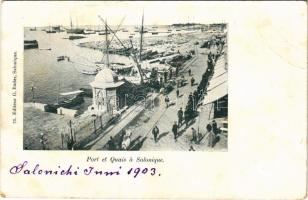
[74,30]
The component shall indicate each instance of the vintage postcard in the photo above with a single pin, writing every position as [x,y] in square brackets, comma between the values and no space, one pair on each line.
[153,99]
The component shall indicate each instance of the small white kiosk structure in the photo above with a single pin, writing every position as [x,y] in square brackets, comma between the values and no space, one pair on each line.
[104,89]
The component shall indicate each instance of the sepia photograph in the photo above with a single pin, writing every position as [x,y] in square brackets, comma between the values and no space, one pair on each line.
[153,99]
[112,85]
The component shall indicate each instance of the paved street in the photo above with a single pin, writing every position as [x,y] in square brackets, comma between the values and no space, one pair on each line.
[140,121]
[165,117]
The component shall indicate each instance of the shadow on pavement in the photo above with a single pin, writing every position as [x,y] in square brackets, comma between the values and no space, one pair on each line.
[162,135]
[136,144]
[216,140]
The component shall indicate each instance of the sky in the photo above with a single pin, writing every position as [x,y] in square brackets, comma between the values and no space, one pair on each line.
[155,12]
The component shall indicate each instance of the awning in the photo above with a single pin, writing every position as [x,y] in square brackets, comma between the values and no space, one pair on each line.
[214,82]
[216,93]
[218,84]
[71,93]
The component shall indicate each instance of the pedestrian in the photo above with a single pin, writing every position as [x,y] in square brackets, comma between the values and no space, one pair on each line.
[178,83]
[165,76]
[189,72]
[182,80]
[177,70]
[155,132]
[167,101]
[170,73]
[175,130]
[190,97]
[180,117]
[212,138]
[195,100]
[177,93]
[214,126]
[191,148]
[186,117]
[69,142]
[126,140]
[161,81]
[192,81]
[194,135]
[209,127]
[111,144]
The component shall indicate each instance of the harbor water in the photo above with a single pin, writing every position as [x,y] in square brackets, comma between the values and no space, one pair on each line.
[50,77]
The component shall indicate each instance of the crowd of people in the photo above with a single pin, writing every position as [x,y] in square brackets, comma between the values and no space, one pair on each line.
[185,116]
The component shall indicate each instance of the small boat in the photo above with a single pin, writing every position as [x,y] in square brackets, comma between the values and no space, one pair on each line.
[154,33]
[89,72]
[60,58]
[30,44]
[50,31]
[75,31]
[75,37]
[130,36]
[124,30]
[88,31]
[33,29]
[56,28]
[77,99]
[48,49]
[103,33]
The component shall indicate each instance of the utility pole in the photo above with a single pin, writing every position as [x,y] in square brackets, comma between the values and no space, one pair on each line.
[58,92]
[71,131]
[32,89]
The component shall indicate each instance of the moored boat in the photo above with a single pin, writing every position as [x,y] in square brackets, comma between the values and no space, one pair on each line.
[75,30]
[30,44]
[103,33]
[50,31]
[77,99]
[75,37]
[89,72]
[88,31]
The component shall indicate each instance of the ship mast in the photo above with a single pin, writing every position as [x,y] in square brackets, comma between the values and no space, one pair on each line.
[141,34]
[107,43]
[141,38]
[71,23]
[136,61]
